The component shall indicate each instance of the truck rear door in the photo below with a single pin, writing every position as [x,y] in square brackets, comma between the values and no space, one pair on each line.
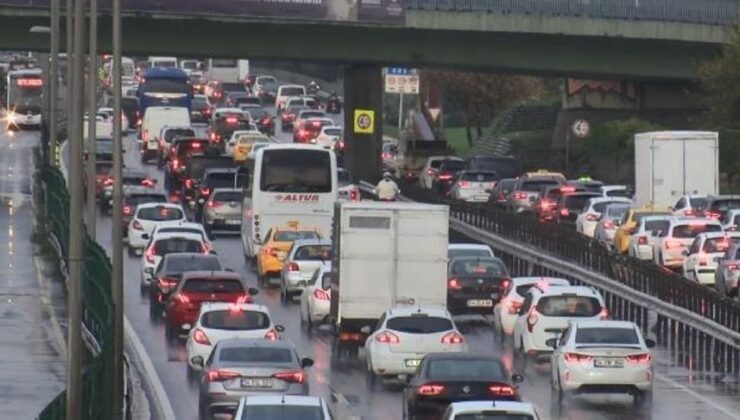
[668,173]
[700,172]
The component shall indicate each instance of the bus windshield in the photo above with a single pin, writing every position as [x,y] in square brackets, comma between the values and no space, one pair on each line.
[289,170]
[25,91]
[165,86]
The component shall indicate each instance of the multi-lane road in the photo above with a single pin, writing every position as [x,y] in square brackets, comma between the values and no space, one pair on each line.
[679,392]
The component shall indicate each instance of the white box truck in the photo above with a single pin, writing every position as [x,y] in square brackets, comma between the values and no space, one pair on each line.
[670,164]
[385,255]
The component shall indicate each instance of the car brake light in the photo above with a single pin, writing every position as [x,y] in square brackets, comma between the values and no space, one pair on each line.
[387,337]
[445,177]
[127,210]
[205,191]
[454,284]
[463,184]
[182,298]
[175,163]
[672,243]
[604,313]
[519,195]
[271,335]
[145,135]
[431,171]
[271,251]
[453,338]
[732,267]
[188,183]
[608,225]
[505,284]
[577,358]
[220,375]
[544,204]
[147,182]
[639,358]
[591,217]
[137,225]
[196,145]
[212,204]
[430,389]
[231,120]
[321,294]
[150,255]
[512,306]
[564,212]
[642,240]
[501,390]
[713,215]
[294,377]
[385,155]
[354,195]
[703,261]
[292,266]
[166,283]
[200,337]
[567,189]
[532,319]
[689,212]
[108,182]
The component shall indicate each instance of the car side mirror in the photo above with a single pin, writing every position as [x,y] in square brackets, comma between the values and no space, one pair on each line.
[552,342]
[186,327]
[149,270]
[198,361]
[366,329]
[279,328]
[252,291]
[517,378]
[649,343]
[145,236]
[306,362]
[213,252]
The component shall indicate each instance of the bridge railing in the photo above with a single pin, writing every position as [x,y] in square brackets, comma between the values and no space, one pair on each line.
[695,321]
[711,12]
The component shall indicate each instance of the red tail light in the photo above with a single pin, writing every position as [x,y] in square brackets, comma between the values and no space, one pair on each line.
[354,195]
[544,204]
[532,319]
[188,183]
[639,358]
[175,163]
[430,389]
[672,243]
[577,358]
[608,225]
[387,337]
[220,375]
[182,298]
[642,240]
[271,335]
[205,191]
[512,306]
[564,212]
[147,182]
[321,294]
[340,145]
[137,225]
[463,184]
[604,313]
[293,377]
[196,145]
[108,182]
[501,390]
[689,212]
[145,135]
[165,283]
[505,284]
[149,255]
[713,215]
[271,251]
[385,155]
[212,204]
[231,120]
[519,195]
[200,337]
[431,171]
[591,217]
[292,266]
[454,284]
[452,338]
[444,177]
[265,121]
[732,267]
[127,210]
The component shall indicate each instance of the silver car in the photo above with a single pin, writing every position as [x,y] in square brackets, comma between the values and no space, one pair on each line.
[728,271]
[245,367]
[223,210]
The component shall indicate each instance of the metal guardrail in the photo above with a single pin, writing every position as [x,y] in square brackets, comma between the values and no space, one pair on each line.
[689,318]
[710,12]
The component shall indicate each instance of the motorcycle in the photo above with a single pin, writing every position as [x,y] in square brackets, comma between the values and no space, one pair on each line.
[313,88]
[266,125]
[334,106]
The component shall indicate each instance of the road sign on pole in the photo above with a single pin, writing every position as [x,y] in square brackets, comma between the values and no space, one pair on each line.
[364,121]
[581,128]
[401,84]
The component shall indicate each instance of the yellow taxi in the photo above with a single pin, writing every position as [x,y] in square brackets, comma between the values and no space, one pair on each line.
[545,174]
[278,241]
[244,145]
[629,222]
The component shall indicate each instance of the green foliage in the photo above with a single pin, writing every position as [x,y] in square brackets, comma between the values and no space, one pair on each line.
[615,138]
[720,79]
[729,152]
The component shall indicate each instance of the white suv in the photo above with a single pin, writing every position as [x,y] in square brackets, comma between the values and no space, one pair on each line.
[545,314]
[429,171]
[670,246]
[506,310]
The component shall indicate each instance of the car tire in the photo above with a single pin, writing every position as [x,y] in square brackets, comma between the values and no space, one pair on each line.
[170,334]
[370,377]
[309,323]
[131,252]
[643,400]
[191,374]
[155,312]
[284,295]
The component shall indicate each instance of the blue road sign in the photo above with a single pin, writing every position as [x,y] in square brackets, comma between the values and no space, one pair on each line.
[399,71]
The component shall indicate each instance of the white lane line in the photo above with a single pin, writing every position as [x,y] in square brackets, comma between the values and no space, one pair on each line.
[708,401]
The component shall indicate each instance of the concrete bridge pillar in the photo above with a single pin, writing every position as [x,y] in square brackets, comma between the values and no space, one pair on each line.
[363,121]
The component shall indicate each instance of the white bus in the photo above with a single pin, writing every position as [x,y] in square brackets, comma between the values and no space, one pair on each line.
[287,183]
[23,101]
[227,70]
[164,62]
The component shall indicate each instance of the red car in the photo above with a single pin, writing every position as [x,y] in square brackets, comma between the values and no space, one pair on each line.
[197,287]
[102,175]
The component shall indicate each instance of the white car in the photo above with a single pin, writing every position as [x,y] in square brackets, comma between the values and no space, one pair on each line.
[183,227]
[162,244]
[429,170]
[545,314]
[328,136]
[588,219]
[405,335]
[602,356]
[700,263]
[615,191]
[109,112]
[507,309]
[474,186]
[146,218]
[731,220]
[688,205]
[483,410]
[316,298]
[670,246]
[283,406]
[468,250]
[642,239]
[608,223]
[287,91]
[301,261]
[220,320]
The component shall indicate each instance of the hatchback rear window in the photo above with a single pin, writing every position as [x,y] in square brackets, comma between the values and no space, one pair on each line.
[692,230]
[606,336]
[160,214]
[480,267]
[569,306]
[467,369]
[659,225]
[307,115]
[213,286]
[255,355]
[618,193]
[282,412]
[537,186]
[136,199]
[479,176]
[173,245]
[170,134]
[712,245]
[452,166]
[182,264]
[576,203]
[601,206]
[697,203]
[724,205]
[419,324]
[235,320]
[291,235]
[452,253]
[227,196]
[313,253]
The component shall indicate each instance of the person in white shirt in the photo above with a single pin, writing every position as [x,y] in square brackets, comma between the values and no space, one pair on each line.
[387,189]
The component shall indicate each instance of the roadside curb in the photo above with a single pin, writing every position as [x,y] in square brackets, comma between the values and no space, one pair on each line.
[342,407]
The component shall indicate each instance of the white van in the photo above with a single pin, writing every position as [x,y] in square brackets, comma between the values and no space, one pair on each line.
[287,91]
[166,62]
[155,118]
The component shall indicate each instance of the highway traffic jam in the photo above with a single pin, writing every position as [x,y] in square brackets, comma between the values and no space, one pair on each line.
[250,249]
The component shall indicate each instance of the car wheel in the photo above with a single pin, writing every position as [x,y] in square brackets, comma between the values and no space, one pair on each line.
[370,377]
[309,322]
[131,252]
[284,295]
[154,310]
[644,399]
[170,334]
[192,374]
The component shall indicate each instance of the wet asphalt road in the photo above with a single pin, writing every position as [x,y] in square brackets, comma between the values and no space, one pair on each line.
[679,393]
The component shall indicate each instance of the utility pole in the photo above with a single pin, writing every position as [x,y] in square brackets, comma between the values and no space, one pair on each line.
[117,281]
[76,234]
[92,107]
[70,39]
[54,82]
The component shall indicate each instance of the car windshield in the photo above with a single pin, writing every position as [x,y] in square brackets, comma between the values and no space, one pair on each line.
[603,335]
[416,324]
[294,235]
[285,170]
[282,412]
[313,253]
[691,230]
[173,245]
[227,196]
[492,415]
[221,180]
[235,320]
[575,203]
[697,202]
[333,131]
[160,214]
[712,245]
[254,354]
[616,211]
[479,176]
[478,267]
[170,134]
[292,91]
[210,285]
[467,370]
[569,306]
[136,199]
[475,252]
[452,166]
[724,205]
[185,263]
[537,186]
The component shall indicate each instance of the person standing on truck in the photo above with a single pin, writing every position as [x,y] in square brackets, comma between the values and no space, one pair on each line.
[387,189]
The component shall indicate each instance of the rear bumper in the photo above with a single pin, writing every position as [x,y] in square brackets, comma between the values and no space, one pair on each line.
[459,304]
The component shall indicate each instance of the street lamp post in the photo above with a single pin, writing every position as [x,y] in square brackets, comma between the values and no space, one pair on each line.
[54,83]
[92,107]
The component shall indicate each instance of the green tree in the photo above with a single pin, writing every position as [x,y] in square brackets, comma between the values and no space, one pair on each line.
[720,79]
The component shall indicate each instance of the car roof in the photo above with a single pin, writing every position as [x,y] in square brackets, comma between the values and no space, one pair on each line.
[600,199]
[190,255]
[178,223]
[275,399]
[554,281]
[219,306]
[431,310]
[219,274]
[302,242]
[590,323]
[130,190]
[177,235]
[152,205]
[613,187]
[710,235]
[472,407]
[441,157]
[255,342]
[476,258]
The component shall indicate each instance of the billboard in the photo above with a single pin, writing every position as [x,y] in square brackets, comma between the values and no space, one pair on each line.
[378,11]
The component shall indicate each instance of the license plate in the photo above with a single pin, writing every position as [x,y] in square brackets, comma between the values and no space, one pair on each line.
[480,197]
[412,362]
[256,383]
[233,222]
[608,363]
[480,303]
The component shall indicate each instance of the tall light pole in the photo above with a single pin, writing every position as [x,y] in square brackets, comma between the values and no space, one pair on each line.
[70,39]
[117,281]
[76,238]
[92,107]
[54,82]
